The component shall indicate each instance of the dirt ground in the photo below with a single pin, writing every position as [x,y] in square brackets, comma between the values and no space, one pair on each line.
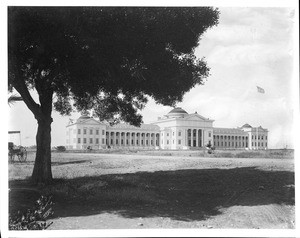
[135,191]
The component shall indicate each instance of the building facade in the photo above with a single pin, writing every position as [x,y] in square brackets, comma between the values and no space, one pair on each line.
[175,131]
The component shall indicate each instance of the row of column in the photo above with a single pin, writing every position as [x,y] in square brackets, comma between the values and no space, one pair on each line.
[228,141]
[195,137]
[132,139]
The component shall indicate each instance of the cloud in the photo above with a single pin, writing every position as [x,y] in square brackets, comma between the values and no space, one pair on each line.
[247,54]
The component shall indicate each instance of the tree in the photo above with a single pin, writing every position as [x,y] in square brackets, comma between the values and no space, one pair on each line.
[102,58]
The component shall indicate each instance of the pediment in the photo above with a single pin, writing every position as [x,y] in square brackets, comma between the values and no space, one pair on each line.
[196,117]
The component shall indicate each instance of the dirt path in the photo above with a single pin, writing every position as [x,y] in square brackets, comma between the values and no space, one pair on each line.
[142,191]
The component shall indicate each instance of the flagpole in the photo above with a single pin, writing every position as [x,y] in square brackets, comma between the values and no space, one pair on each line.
[262,91]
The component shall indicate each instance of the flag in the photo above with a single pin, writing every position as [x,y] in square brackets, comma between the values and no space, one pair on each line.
[260,90]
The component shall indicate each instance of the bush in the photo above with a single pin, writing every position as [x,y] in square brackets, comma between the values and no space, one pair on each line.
[33,219]
[61,148]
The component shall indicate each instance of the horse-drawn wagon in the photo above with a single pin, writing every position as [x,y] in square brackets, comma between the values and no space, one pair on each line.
[16,151]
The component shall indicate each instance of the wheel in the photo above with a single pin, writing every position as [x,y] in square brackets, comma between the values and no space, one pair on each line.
[22,155]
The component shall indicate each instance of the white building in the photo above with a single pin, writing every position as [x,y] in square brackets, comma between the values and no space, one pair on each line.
[176,130]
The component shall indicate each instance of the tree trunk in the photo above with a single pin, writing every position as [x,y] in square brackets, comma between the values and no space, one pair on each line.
[42,167]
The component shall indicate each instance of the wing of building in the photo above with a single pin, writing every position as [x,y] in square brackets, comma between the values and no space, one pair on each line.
[177,130]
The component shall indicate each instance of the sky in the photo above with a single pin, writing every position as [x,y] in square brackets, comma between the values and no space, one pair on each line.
[250,47]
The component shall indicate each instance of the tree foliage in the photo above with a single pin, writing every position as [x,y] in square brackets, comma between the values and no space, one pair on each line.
[107,59]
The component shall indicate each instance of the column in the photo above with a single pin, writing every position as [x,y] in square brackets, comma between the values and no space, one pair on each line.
[129,139]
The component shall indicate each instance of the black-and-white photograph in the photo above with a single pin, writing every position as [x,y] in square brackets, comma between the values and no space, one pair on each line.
[164,117]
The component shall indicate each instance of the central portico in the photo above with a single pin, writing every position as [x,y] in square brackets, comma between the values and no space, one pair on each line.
[180,130]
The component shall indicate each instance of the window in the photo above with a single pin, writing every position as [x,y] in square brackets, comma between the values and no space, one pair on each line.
[97,141]
[84,140]
[84,131]
[79,131]
[173,133]
[117,141]
[225,143]
[78,141]
[179,142]
[91,131]
[258,143]
[137,142]
[91,140]
[173,142]
[122,141]
[179,133]
[112,141]
[97,132]
[103,132]
[167,142]
[209,134]
[167,134]
[102,140]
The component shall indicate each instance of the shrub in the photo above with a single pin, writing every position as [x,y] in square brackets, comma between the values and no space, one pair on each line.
[35,218]
[61,148]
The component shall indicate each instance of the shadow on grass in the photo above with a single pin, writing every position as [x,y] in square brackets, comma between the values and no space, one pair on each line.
[70,162]
[186,195]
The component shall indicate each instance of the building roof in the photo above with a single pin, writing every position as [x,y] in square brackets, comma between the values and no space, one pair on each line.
[127,126]
[228,131]
[177,110]
[246,126]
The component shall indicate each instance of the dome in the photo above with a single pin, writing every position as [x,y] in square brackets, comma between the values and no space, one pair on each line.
[177,110]
[246,126]
[82,118]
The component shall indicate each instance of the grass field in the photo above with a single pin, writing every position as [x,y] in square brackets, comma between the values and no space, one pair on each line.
[163,189]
